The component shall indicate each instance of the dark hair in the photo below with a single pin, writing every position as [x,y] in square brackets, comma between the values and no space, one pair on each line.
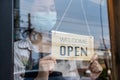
[27,32]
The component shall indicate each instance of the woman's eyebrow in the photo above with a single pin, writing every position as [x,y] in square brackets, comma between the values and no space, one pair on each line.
[41,6]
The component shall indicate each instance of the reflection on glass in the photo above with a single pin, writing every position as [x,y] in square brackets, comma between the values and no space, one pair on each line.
[33,44]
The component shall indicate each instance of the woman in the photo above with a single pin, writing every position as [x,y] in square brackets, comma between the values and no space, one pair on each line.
[22,51]
[45,19]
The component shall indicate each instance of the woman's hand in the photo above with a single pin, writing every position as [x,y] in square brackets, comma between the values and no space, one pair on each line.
[95,68]
[46,65]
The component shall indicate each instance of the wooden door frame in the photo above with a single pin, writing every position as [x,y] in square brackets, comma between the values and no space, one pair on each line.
[114,26]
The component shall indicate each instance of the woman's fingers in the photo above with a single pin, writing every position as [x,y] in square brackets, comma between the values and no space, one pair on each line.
[95,57]
[95,67]
[47,63]
[49,58]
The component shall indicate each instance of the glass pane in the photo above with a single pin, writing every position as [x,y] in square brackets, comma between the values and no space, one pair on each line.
[61,40]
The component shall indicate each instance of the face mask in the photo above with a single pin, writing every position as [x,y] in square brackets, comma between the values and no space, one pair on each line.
[43,21]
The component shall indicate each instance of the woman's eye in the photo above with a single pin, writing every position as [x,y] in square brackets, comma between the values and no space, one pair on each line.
[41,9]
[52,8]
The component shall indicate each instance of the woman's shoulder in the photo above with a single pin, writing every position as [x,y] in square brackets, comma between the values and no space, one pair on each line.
[22,43]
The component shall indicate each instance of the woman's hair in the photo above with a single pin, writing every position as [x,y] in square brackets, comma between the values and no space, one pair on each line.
[34,36]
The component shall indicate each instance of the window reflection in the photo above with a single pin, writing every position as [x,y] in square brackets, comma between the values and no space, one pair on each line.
[80,17]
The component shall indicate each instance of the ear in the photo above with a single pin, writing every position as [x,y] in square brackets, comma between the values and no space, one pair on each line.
[38,36]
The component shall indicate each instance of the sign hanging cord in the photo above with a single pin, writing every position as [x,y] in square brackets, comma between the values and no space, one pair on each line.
[63,15]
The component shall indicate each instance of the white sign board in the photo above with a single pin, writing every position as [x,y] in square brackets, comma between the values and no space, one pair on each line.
[69,46]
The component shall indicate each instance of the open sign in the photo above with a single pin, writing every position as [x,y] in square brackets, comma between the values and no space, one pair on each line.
[69,46]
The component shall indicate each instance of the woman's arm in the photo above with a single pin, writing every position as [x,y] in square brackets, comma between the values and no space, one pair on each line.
[46,65]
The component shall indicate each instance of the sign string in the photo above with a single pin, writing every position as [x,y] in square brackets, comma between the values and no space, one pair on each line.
[85,16]
[66,10]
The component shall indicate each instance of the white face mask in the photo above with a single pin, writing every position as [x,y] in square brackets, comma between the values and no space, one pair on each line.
[43,21]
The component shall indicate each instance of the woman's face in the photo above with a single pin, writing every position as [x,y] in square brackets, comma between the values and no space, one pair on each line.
[45,15]
[46,6]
